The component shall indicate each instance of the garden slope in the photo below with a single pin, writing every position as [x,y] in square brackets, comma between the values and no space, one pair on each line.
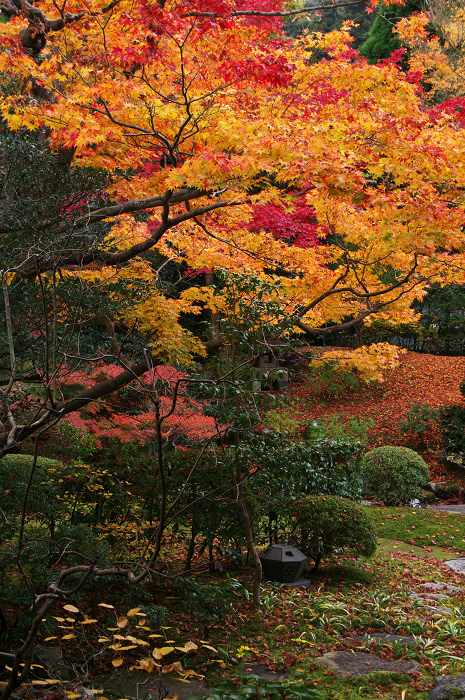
[420,378]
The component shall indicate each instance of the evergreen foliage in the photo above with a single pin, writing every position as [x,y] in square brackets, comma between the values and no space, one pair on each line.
[382,39]
[452,424]
[333,18]
[394,474]
[328,523]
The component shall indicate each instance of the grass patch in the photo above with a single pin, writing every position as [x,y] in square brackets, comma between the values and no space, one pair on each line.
[311,677]
[346,574]
[420,527]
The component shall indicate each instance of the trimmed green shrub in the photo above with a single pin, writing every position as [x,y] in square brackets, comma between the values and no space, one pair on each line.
[394,474]
[324,524]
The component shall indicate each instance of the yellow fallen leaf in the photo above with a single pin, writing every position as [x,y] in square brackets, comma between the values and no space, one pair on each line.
[140,642]
[71,608]
[148,665]
[117,662]
[105,605]
[122,622]
[68,636]
[103,639]
[171,697]
[132,611]
[167,669]
[188,646]
[47,639]
[152,636]
[60,619]
[88,622]
[163,651]
[207,646]
[190,672]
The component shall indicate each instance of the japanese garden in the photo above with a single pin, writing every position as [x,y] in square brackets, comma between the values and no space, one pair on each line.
[232,355]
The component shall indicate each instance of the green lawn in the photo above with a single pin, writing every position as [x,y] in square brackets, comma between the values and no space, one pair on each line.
[421,527]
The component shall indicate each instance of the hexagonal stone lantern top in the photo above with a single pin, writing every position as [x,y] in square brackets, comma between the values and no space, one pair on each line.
[282,563]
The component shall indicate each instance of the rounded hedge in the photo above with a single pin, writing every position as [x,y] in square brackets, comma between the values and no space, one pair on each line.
[324,524]
[394,474]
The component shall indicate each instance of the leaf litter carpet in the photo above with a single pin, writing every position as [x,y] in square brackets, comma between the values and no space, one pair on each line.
[420,378]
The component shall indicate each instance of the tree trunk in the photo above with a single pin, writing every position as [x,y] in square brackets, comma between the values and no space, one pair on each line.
[248,528]
[190,551]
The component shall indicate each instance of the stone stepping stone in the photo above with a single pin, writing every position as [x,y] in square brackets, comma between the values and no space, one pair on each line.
[459,509]
[357,663]
[433,597]
[262,671]
[457,565]
[447,588]
[448,687]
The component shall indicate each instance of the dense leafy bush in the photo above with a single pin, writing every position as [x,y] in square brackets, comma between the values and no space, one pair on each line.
[340,427]
[394,474]
[420,424]
[14,476]
[330,381]
[287,470]
[208,603]
[324,524]
[254,688]
[452,425]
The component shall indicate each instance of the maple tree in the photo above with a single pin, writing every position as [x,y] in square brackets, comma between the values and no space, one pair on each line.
[435,40]
[227,146]
[212,141]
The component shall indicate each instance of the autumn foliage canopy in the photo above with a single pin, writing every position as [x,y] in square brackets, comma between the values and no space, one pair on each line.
[230,146]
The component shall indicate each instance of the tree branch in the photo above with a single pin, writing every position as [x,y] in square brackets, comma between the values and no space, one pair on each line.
[277,13]
[108,386]
[42,263]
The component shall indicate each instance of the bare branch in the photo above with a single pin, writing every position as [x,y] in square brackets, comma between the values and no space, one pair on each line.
[277,13]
